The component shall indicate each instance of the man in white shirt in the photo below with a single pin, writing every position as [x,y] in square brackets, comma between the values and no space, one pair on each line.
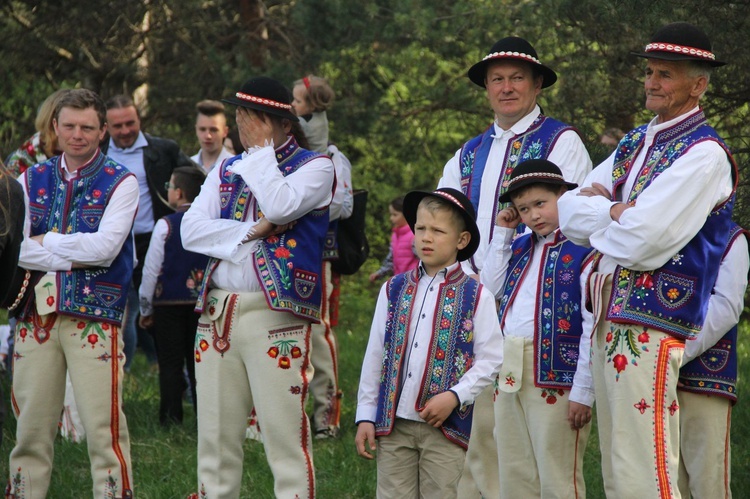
[513,78]
[659,212]
[152,160]
[80,208]
[262,218]
[211,129]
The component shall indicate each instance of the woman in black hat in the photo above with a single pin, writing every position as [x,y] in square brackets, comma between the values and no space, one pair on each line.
[262,217]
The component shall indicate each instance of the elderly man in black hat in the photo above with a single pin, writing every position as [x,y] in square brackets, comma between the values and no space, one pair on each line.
[513,77]
[262,217]
[659,212]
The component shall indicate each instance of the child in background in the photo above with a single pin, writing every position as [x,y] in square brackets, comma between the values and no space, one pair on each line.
[540,281]
[435,344]
[401,256]
[171,276]
[312,98]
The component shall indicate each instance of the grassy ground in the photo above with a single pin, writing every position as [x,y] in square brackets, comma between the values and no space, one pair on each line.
[164,461]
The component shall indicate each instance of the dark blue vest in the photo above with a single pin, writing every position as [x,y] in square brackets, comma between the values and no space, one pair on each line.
[182,270]
[77,206]
[675,297]
[288,265]
[715,371]
[558,323]
[450,355]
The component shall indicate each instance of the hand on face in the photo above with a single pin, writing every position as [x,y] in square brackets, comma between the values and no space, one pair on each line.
[254,128]
[508,218]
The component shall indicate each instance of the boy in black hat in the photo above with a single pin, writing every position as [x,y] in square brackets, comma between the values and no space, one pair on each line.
[659,212]
[435,343]
[539,280]
[262,217]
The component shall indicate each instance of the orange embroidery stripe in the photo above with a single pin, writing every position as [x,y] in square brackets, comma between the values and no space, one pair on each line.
[305,421]
[660,404]
[115,412]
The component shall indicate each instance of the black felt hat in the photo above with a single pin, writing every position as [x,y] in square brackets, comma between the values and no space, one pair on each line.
[514,48]
[534,171]
[264,94]
[457,199]
[680,42]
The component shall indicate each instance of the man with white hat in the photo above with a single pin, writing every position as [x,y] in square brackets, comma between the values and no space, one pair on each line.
[262,217]
[513,77]
[659,212]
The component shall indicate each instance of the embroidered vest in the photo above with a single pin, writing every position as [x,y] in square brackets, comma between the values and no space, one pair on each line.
[535,143]
[77,206]
[675,297]
[715,371]
[288,265]
[558,323]
[182,270]
[450,355]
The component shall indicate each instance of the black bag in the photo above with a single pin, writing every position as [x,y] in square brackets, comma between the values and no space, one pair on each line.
[351,238]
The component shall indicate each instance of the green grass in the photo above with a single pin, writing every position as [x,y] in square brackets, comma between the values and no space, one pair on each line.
[164,460]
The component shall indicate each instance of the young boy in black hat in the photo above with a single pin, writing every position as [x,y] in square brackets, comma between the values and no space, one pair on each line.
[435,343]
[540,280]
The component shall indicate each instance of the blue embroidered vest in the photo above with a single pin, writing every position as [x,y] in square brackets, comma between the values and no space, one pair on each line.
[537,142]
[288,265]
[558,323]
[715,371]
[675,297]
[182,270]
[77,206]
[450,355]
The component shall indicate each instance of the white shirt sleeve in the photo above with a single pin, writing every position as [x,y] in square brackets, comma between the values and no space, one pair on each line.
[372,364]
[152,266]
[583,382]
[495,264]
[571,156]
[343,198]
[98,248]
[726,302]
[451,173]
[488,351]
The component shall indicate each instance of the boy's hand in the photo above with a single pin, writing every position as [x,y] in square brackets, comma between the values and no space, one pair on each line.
[438,408]
[146,321]
[365,437]
[508,218]
[579,415]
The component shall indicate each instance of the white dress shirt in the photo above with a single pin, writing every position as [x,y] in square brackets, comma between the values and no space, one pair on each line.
[223,154]
[519,318]
[727,300]
[97,249]
[132,159]
[667,215]
[488,350]
[282,200]
[568,153]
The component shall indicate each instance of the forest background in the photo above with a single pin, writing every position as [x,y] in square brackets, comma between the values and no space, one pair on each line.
[404,106]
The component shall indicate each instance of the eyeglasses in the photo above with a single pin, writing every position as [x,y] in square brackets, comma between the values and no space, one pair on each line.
[169,185]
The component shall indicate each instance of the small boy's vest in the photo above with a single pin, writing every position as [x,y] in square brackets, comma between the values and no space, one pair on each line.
[288,265]
[673,298]
[715,371]
[182,270]
[535,143]
[451,350]
[77,206]
[557,316]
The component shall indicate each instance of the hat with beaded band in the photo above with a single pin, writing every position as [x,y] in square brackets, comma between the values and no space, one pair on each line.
[680,42]
[511,48]
[534,171]
[264,94]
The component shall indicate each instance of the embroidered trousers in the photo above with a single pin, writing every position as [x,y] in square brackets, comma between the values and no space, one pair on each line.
[92,354]
[417,461]
[705,453]
[480,475]
[247,354]
[635,371]
[324,387]
[539,455]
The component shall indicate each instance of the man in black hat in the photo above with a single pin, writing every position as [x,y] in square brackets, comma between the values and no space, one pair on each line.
[659,211]
[513,78]
[262,217]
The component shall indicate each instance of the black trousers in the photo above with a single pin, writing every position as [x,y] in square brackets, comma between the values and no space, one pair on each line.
[174,332]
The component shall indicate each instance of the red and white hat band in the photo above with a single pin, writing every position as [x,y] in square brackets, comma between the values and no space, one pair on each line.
[513,55]
[679,49]
[265,102]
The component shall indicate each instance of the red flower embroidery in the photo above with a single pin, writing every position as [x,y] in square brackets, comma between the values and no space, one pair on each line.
[197,356]
[272,240]
[440,354]
[620,362]
[273,352]
[551,399]
[203,344]
[296,352]
[643,337]
[42,191]
[81,325]
[281,252]
[96,193]
[563,324]
[673,408]
[567,259]
[642,406]
[284,362]
[609,336]
[645,281]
